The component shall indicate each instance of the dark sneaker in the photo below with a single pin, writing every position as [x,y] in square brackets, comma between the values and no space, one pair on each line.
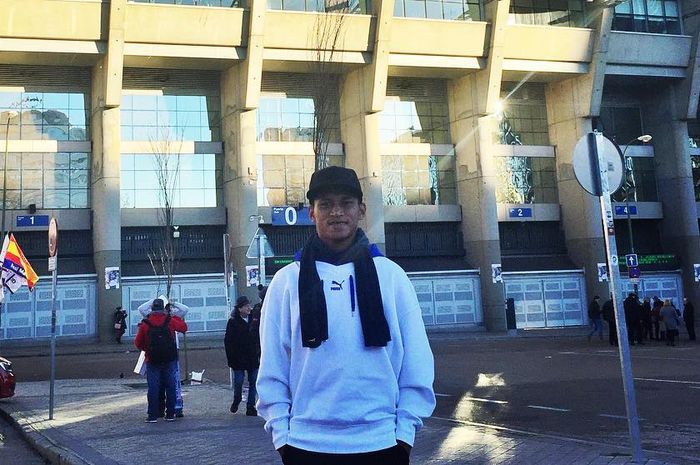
[234,406]
[179,414]
[251,412]
[170,418]
[151,420]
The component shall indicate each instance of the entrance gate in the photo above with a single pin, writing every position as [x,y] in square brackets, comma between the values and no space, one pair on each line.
[546,300]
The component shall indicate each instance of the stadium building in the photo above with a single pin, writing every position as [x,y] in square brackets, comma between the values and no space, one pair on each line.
[459,116]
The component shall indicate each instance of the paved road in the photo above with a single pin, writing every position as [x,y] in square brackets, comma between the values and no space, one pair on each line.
[562,386]
[573,388]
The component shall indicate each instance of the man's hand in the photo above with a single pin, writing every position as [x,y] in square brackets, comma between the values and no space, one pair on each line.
[404,446]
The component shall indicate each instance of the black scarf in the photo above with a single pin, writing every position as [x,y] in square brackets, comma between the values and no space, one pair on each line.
[313,313]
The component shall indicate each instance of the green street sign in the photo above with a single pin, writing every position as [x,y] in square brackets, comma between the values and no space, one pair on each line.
[651,260]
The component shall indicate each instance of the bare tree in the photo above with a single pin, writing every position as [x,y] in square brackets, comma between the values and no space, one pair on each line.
[164,253]
[327,37]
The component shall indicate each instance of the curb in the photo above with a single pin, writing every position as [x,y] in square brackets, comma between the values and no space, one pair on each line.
[43,445]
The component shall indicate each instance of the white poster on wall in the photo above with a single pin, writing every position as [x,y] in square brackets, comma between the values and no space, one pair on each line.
[251,274]
[111,277]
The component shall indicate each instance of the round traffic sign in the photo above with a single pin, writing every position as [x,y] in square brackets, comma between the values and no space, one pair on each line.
[53,237]
[583,167]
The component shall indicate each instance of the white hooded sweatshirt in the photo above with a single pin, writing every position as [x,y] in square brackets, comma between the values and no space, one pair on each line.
[343,397]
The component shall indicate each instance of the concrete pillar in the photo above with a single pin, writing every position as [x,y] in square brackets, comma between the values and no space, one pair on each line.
[475,134]
[571,105]
[240,93]
[106,213]
[105,167]
[674,178]
[238,129]
[359,130]
[362,94]
[473,102]
[569,120]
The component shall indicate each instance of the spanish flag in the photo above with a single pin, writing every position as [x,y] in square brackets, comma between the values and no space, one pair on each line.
[16,269]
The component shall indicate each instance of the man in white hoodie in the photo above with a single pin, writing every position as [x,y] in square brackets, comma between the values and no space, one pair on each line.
[346,370]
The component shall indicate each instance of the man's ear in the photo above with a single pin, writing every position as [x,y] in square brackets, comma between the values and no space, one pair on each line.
[312,213]
[363,210]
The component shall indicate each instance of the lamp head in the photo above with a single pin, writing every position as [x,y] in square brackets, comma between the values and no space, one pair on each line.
[645,138]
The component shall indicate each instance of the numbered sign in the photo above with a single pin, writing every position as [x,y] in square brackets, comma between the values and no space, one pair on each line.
[621,210]
[27,221]
[520,212]
[291,216]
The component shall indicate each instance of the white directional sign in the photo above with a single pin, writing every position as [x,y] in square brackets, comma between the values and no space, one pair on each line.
[631,260]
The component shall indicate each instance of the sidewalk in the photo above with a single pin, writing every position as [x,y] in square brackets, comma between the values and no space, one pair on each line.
[101,422]
[72,346]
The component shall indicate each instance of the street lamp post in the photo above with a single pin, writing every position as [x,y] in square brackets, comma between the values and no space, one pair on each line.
[644,139]
[10,115]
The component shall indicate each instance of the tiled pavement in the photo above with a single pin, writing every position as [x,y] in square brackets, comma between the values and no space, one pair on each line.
[101,422]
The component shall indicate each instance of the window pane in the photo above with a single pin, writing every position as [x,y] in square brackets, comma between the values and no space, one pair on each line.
[54,198]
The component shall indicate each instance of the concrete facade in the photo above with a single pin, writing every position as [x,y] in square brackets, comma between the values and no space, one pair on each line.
[475,58]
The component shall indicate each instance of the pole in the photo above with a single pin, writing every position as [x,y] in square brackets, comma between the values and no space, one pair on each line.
[628,169]
[54,275]
[261,257]
[4,173]
[614,276]
[4,193]
[226,272]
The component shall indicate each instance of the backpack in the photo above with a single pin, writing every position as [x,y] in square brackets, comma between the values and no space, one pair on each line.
[161,343]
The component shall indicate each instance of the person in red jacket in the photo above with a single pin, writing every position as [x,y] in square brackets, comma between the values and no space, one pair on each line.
[161,357]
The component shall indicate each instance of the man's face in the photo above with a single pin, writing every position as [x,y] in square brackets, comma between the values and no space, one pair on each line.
[336,217]
[245,310]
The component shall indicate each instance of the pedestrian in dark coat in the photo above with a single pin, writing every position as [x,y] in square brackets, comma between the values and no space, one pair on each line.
[670,317]
[656,318]
[119,324]
[242,343]
[689,318]
[595,318]
[609,315]
[646,319]
[633,317]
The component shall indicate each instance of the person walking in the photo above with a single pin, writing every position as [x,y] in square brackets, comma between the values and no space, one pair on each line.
[689,318]
[180,310]
[669,316]
[156,337]
[346,372]
[119,324]
[609,315]
[242,344]
[595,317]
[646,319]
[656,318]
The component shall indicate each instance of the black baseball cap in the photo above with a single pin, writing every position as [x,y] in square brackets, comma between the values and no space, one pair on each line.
[334,179]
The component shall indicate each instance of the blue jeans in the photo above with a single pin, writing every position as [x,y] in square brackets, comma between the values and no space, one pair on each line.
[158,375]
[238,386]
[597,327]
